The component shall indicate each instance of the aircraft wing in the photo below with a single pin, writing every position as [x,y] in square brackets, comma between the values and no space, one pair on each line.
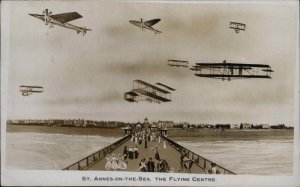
[66,17]
[41,17]
[135,23]
[177,60]
[230,65]
[152,22]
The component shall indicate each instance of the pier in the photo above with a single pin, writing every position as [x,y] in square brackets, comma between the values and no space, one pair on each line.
[171,152]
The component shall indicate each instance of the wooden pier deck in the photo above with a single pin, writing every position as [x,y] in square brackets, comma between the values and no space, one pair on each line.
[171,155]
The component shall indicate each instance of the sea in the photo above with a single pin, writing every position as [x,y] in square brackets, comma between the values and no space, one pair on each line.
[48,151]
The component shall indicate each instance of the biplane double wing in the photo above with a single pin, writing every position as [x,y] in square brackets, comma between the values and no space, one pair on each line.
[61,20]
[237,26]
[232,70]
[143,91]
[146,24]
[178,63]
[28,90]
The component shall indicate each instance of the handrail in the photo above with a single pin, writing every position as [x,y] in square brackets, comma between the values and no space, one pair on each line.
[92,158]
[200,161]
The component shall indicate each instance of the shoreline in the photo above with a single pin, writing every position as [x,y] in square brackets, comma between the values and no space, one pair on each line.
[176,134]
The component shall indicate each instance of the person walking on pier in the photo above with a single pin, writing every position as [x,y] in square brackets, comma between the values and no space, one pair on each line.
[130,152]
[114,162]
[125,152]
[136,152]
[187,163]
[165,144]
[142,165]
[122,163]
[150,165]
[156,153]
[108,162]
[213,169]
[163,166]
[181,158]
[136,139]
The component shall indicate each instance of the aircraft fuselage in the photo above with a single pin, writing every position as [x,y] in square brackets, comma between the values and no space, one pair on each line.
[50,20]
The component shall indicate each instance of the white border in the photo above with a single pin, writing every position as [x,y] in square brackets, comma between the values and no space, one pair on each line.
[74,178]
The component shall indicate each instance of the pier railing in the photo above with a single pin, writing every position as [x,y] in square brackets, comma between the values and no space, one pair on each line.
[91,159]
[203,163]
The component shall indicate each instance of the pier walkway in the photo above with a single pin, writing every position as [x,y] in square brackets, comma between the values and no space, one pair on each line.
[172,154]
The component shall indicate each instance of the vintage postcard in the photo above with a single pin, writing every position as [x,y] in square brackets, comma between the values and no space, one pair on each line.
[149,93]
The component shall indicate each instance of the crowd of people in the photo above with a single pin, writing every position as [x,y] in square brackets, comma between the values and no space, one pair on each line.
[139,137]
[150,166]
[131,153]
[115,162]
[155,163]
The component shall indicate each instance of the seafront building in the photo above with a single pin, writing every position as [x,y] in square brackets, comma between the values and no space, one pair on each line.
[159,124]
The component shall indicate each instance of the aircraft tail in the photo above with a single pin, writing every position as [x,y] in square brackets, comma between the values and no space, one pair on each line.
[83,30]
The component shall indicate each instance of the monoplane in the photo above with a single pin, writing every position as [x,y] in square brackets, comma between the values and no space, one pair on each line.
[237,26]
[146,25]
[178,63]
[61,20]
[28,90]
[232,70]
[143,91]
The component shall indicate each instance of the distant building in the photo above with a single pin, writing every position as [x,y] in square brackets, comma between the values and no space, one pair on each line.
[265,126]
[165,124]
[234,126]
[146,121]
[68,123]
[280,126]
[223,126]
[246,126]
[139,125]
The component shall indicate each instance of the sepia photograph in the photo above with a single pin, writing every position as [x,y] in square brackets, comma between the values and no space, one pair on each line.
[150,93]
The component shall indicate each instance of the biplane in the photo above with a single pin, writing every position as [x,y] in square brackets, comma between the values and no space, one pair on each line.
[61,20]
[232,70]
[237,26]
[143,91]
[146,25]
[28,90]
[178,63]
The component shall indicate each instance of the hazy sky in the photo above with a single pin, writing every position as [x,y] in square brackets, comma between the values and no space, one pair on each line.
[86,76]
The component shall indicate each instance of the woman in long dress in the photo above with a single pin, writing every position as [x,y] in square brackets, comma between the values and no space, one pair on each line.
[136,152]
[125,152]
[132,138]
[142,165]
[156,153]
[130,152]
[165,144]
[114,162]
[122,163]
[108,162]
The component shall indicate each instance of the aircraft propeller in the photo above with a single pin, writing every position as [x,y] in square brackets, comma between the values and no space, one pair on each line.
[142,24]
[47,16]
